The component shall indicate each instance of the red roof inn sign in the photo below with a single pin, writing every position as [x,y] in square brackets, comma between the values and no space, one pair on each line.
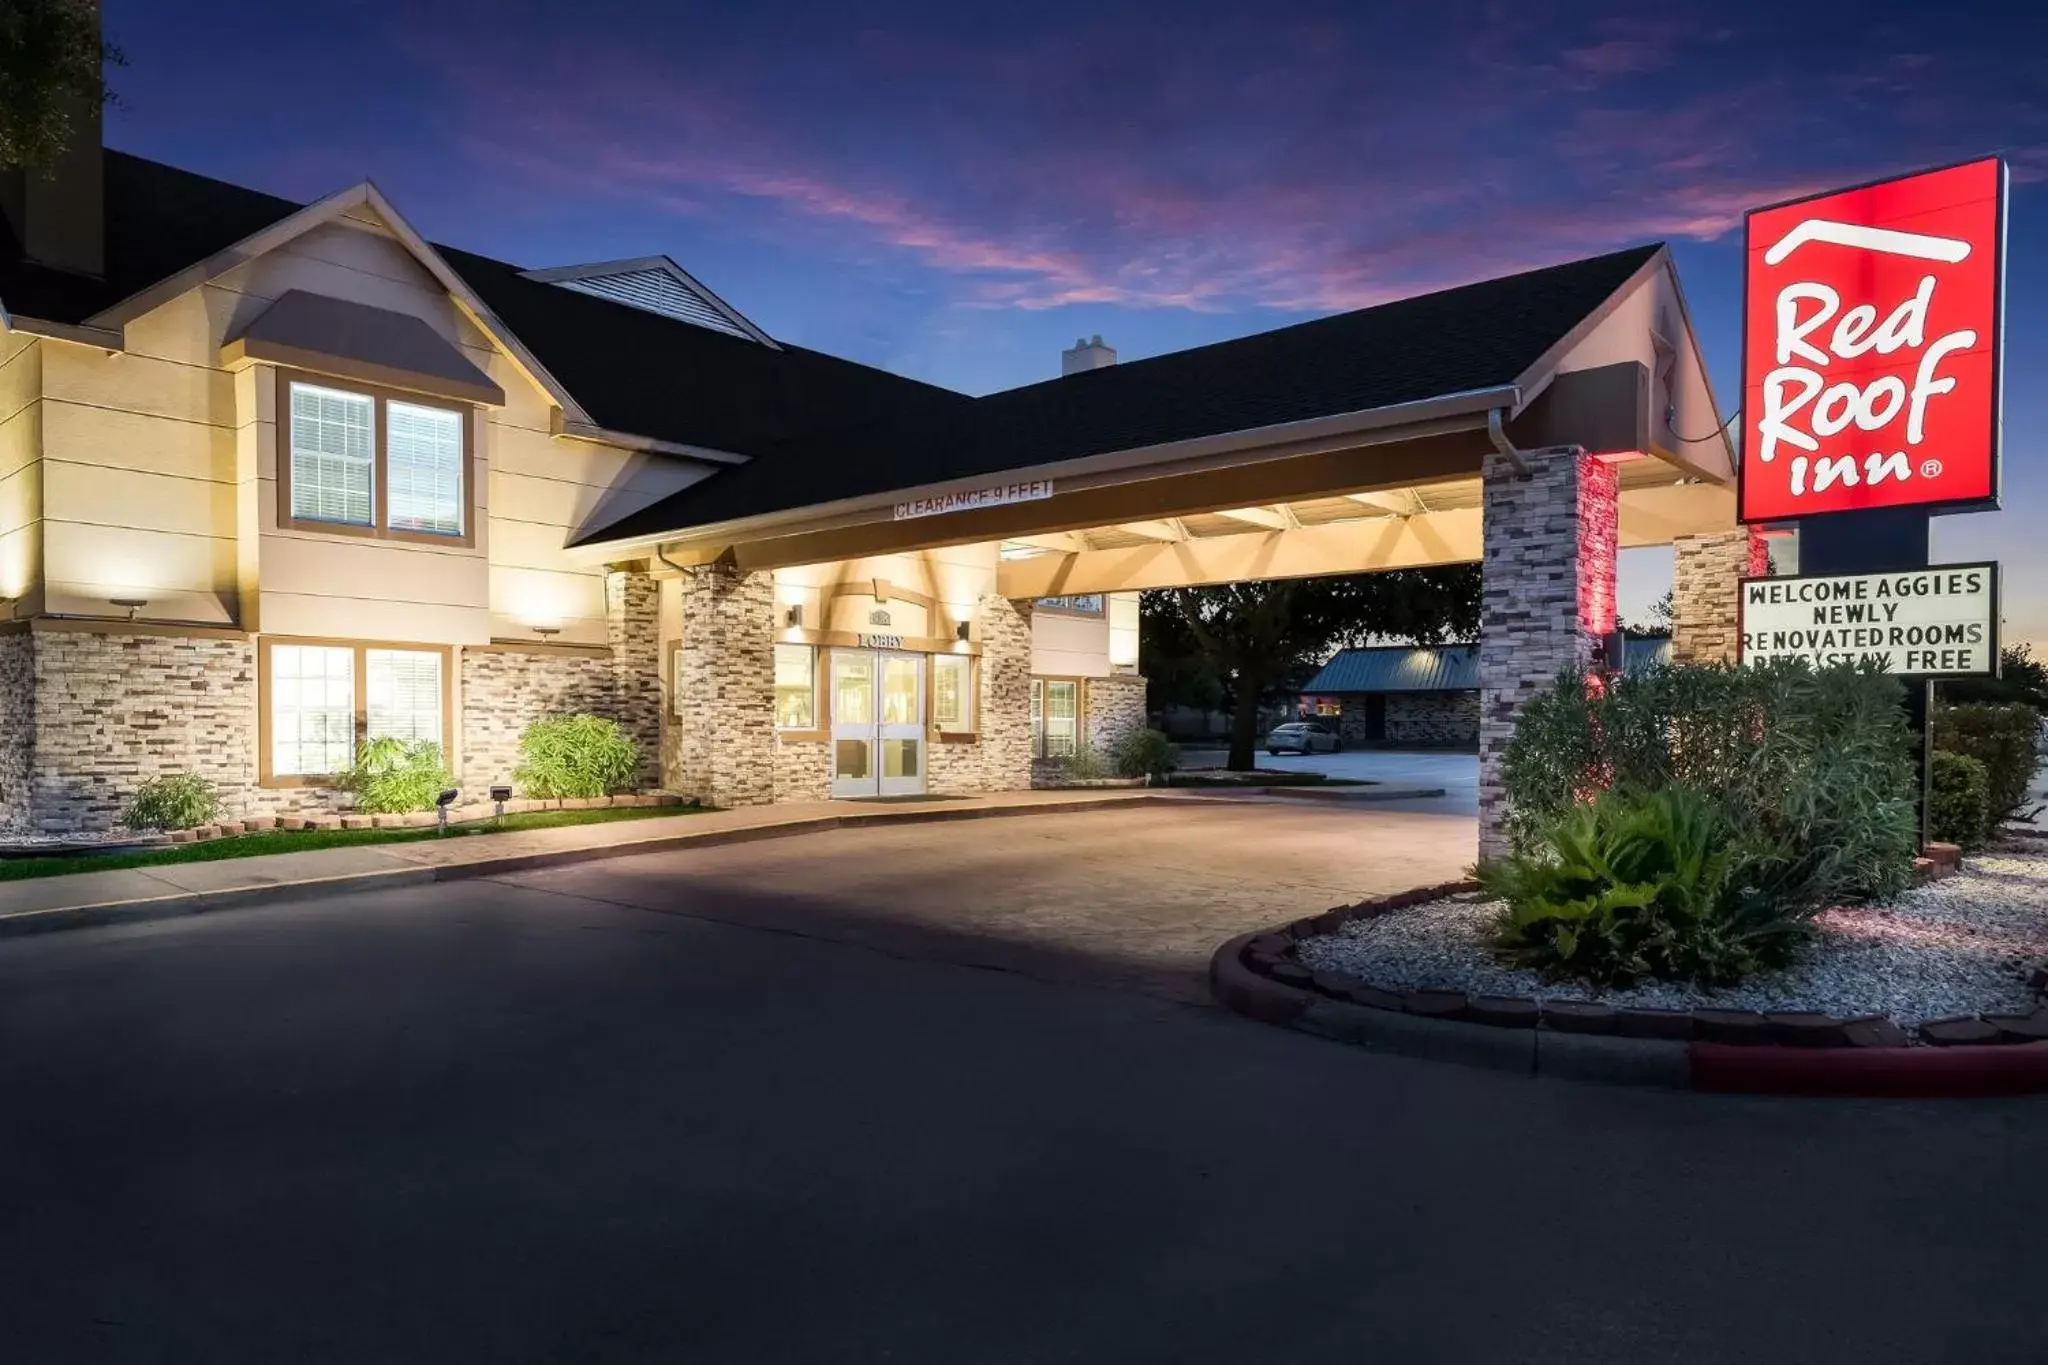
[1871,347]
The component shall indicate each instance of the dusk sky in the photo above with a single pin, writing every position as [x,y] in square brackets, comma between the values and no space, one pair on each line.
[956,191]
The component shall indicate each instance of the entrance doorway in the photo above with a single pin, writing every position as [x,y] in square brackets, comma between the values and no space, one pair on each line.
[877,723]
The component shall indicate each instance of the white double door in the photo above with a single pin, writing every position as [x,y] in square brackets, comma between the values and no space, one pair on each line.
[877,723]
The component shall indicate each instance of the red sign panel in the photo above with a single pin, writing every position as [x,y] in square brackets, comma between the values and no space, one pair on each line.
[1870,367]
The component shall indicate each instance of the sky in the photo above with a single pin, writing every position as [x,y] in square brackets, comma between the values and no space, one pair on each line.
[957,191]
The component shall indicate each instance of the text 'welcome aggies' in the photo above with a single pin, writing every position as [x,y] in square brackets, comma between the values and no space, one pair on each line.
[1922,623]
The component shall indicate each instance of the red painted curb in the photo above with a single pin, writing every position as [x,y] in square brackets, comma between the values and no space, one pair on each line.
[1891,1072]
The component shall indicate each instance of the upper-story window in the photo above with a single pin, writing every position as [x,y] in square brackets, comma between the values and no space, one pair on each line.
[362,461]
[1084,604]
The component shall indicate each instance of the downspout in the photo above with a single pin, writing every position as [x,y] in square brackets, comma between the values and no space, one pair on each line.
[1499,436]
[661,553]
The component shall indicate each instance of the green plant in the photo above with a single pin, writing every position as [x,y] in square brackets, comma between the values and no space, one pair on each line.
[395,776]
[1147,754]
[173,801]
[574,756]
[1814,763]
[2001,737]
[1637,884]
[1085,764]
[1959,809]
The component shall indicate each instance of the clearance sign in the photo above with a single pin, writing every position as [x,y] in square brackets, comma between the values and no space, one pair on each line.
[1922,623]
[1871,347]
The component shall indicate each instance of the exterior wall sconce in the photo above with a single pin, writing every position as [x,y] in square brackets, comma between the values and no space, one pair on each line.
[794,617]
[961,632]
[134,604]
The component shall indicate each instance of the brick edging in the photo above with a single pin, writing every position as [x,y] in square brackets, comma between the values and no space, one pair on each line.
[1260,975]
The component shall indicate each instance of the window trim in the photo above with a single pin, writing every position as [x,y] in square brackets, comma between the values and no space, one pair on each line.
[266,777]
[972,733]
[380,482]
[1080,712]
[820,726]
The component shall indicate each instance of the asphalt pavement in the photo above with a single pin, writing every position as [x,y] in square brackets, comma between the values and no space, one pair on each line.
[519,1120]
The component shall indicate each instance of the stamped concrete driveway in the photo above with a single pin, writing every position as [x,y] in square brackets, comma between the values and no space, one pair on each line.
[1135,898]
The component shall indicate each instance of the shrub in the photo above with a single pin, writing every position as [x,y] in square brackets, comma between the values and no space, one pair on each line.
[395,776]
[1145,753]
[173,801]
[2003,739]
[575,756]
[1637,884]
[1959,810]
[1816,764]
[1085,764]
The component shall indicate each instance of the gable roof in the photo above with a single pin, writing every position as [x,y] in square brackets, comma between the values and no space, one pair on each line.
[1459,340]
[629,370]
[658,285]
[1441,668]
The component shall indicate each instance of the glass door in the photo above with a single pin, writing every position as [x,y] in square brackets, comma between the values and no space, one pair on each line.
[902,724]
[855,771]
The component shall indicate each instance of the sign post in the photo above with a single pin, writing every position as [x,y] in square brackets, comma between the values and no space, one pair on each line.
[1873,329]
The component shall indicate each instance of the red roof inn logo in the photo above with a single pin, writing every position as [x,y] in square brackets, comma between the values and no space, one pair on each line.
[1871,346]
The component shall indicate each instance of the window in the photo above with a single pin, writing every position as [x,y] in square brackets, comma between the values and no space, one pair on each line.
[1329,706]
[402,695]
[1055,717]
[423,459]
[796,688]
[366,462]
[952,694]
[332,455]
[1086,604]
[320,701]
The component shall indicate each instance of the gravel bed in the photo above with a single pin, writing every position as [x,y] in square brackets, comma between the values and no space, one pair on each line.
[1962,945]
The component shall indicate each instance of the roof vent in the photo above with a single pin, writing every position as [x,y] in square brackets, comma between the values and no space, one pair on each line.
[654,284]
[1088,353]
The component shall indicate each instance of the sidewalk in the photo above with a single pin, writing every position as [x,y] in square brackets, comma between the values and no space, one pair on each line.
[44,903]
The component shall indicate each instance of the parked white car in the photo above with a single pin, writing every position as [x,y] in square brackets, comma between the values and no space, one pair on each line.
[1303,737]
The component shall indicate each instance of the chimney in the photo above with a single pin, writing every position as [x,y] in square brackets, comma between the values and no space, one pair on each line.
[1088,354]
[58,211]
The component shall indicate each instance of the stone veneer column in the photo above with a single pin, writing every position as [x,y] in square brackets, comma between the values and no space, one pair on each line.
[724,726]
[1547,596]
[1705,591]
[632,621]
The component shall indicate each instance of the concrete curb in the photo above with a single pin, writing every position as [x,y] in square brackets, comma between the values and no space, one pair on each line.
[1335,796]
[1776,1069]
[1528,1052]
[23,923]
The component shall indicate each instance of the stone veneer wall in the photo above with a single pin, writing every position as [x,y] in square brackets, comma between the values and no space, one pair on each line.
[1546,597]
[506,688]
[1706,591]
[113,709]
[1114,707]
[1000,757]
[724,750]
[633,632]
[17,728]
[1433,719]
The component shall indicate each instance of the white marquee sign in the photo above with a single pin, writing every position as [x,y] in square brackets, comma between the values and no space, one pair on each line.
[1935,622]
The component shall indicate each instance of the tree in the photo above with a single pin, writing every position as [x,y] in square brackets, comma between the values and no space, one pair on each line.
[52,59]
[1257,634]
[2021,678]
[1656,621]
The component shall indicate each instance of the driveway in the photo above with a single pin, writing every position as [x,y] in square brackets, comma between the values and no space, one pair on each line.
[1456,772]
[523,1121]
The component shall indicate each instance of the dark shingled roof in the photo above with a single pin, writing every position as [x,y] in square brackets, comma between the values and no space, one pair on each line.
[632,371]
[822,429]
[1475,336]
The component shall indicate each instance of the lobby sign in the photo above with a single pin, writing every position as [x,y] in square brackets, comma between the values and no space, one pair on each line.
[995,495]
[1938,622]
[1872,322]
